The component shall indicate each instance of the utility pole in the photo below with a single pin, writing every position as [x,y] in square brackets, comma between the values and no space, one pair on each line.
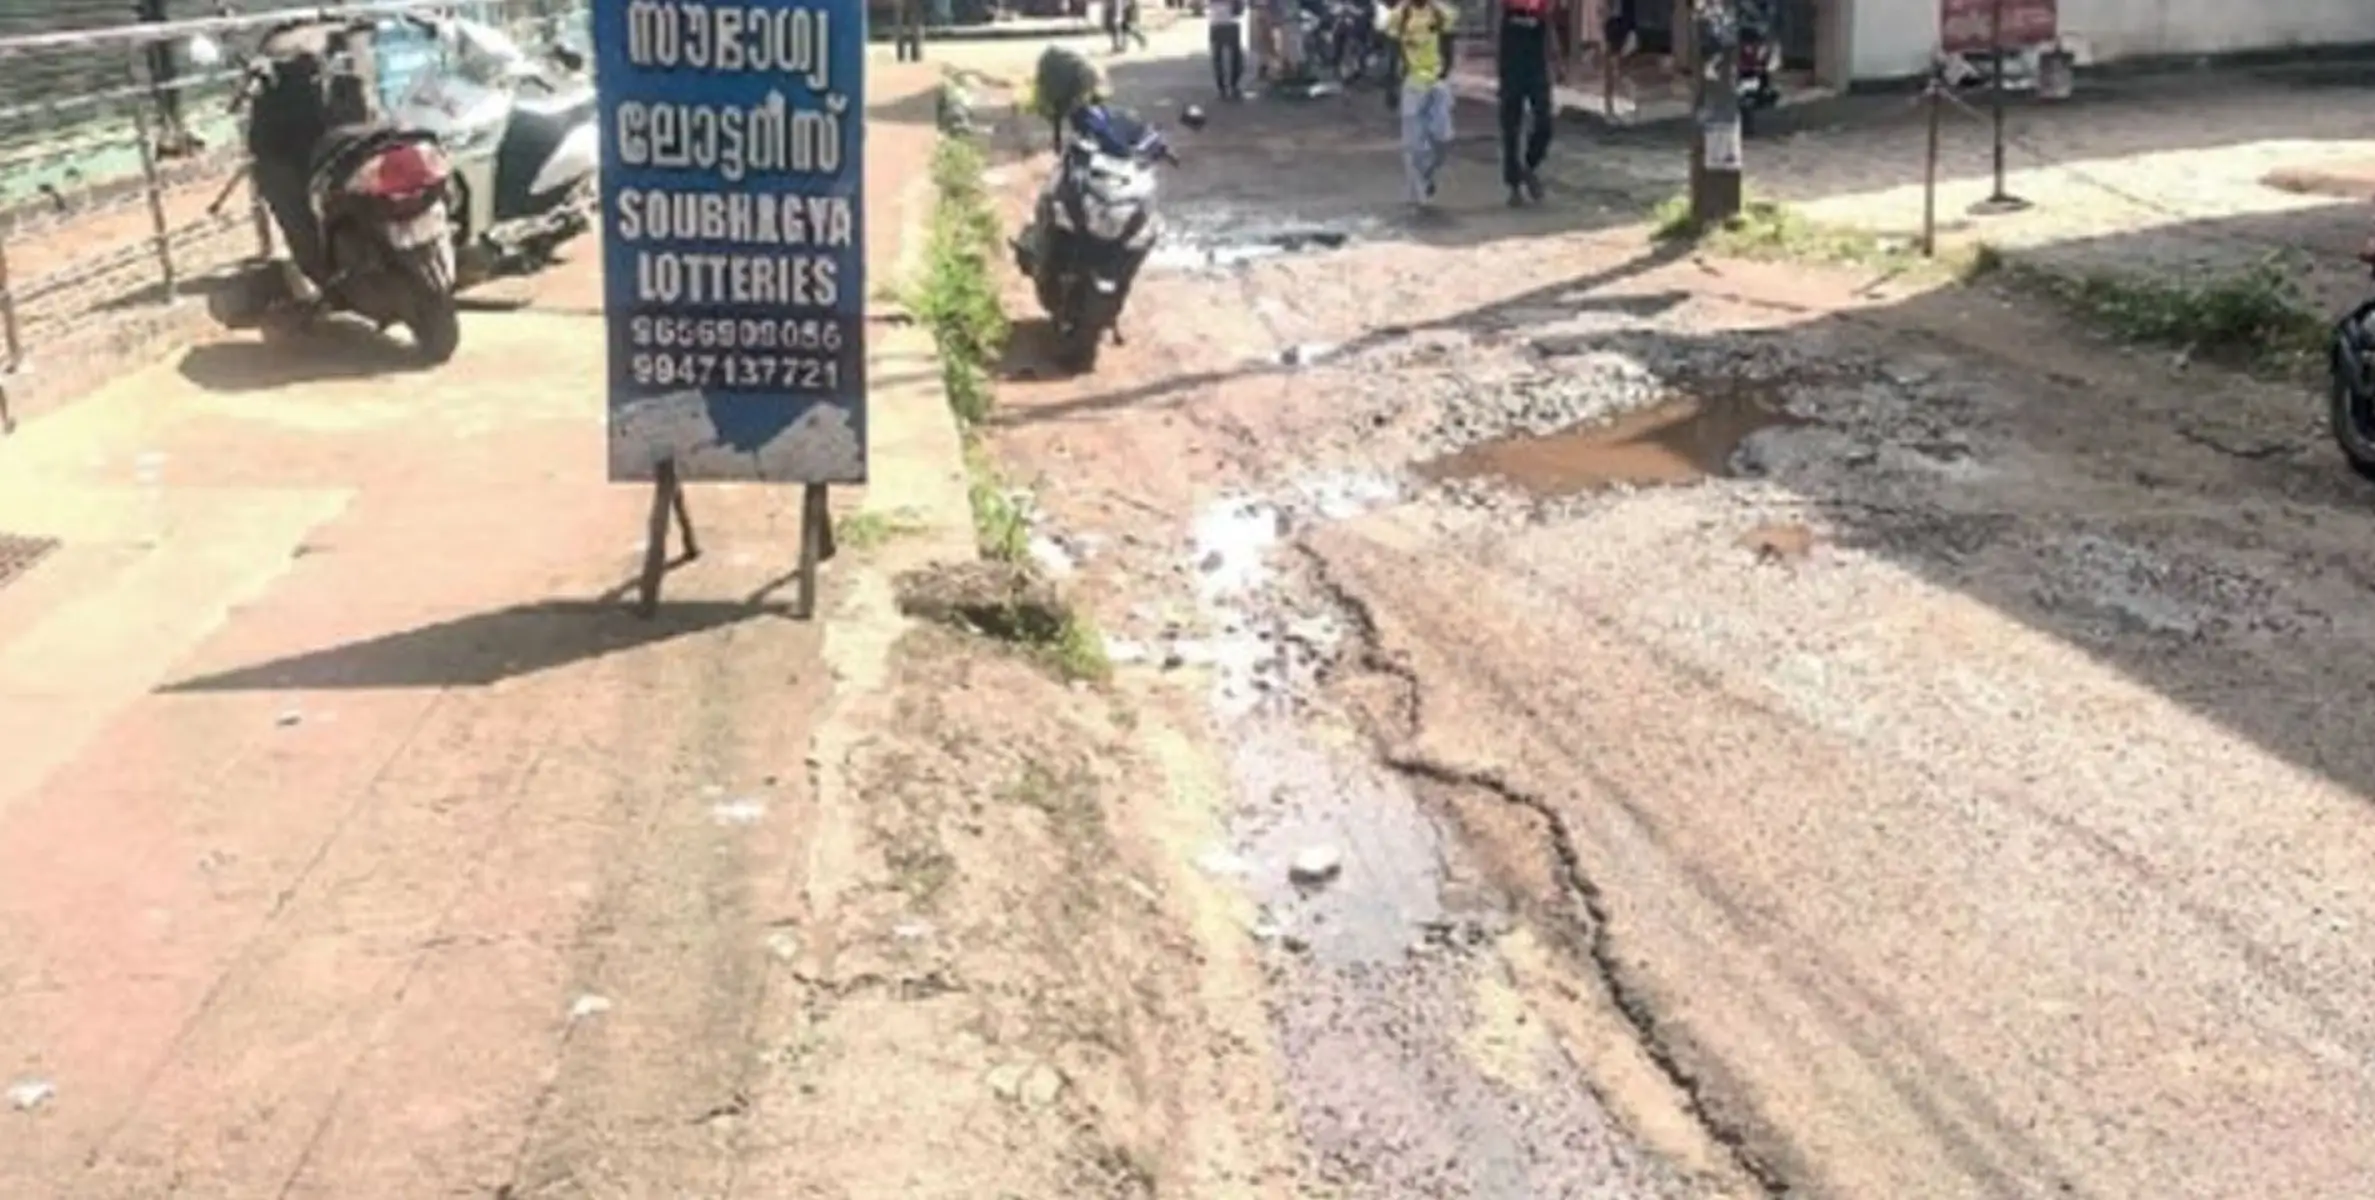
[1714,61]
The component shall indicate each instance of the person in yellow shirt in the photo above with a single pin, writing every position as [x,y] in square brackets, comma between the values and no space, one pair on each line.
[1422,29]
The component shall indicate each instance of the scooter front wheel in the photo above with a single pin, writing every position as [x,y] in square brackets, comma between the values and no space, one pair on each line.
[2351,417]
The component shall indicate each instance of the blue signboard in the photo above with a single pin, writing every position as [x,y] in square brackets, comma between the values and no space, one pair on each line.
[733,230]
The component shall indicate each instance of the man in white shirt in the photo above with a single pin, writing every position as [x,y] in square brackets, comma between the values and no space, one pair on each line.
[1226,20]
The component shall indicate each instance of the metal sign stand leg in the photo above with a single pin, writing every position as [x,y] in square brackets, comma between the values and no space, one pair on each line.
[816,543]
[1999,201]
[667,502]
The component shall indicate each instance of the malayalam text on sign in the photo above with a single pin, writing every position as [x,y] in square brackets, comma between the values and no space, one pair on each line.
[733,227]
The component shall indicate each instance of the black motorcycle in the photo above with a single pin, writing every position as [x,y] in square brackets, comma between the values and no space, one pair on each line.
[360,203]
[1095,224]
[2351,361]
[1350,45]
[1759,62]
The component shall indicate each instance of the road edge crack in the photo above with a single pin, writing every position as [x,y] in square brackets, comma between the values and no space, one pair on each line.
[1394,750]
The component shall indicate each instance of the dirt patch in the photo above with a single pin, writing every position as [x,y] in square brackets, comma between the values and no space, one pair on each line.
[1006,1002]
[2350,181]
[1779,541]
[1002,600]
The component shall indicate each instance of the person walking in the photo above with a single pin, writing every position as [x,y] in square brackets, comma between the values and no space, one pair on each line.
[1121,24]
[1526,62]
[1421,29]
[1226,21]
[908,37]
[1619,34]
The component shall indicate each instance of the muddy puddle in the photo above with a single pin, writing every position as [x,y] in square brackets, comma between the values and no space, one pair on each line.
[1415,1064]
[1343,862]
[1681,441]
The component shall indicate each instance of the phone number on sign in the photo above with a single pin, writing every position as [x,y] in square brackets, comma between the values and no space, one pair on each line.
[736,333]
[769,371]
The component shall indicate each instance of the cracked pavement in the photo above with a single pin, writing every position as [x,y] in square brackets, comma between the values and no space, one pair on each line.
[1957,795]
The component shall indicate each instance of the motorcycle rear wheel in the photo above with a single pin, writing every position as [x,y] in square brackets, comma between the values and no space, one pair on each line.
[436,325]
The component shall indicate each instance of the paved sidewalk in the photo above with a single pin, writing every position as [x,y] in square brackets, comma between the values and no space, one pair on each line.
[2160,174]
[349,845]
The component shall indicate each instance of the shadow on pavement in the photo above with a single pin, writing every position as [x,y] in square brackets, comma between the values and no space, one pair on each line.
[2193,529]
[479,649]
[917,108]
[1030,339]
[335,349]
[2099,103]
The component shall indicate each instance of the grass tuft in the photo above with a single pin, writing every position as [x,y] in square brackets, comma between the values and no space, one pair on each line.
[957,299]
[1770,230]
[2256,317]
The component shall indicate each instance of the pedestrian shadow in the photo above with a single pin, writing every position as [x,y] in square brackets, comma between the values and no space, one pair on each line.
[480,649]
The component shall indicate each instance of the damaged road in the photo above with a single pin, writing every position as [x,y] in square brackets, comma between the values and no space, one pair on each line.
[1768,731]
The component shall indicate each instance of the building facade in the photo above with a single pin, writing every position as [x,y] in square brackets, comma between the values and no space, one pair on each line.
[1896,39]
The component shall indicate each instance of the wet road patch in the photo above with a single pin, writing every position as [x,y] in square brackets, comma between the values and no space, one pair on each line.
[1680,441]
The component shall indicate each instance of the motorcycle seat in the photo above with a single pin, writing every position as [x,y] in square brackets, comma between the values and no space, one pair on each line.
[565,108]
[344,147]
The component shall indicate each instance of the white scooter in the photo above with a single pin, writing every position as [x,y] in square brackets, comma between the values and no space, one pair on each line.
[522,135]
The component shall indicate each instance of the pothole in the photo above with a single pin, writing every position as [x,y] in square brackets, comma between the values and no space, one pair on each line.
[1680,441]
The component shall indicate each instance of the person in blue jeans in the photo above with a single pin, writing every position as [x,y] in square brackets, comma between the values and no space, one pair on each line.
[1422,31]
[1226,21]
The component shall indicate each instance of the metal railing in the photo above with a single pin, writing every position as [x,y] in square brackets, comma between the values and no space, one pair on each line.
[111,200]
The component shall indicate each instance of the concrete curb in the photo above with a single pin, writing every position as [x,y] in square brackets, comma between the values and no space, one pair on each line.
[917,484]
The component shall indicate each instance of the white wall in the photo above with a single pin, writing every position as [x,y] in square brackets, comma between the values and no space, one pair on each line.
[1895,38]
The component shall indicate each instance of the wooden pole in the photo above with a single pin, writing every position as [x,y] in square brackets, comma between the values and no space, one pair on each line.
[1936,100]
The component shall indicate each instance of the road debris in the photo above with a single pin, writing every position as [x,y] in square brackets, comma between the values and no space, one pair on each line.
[25,1095]
[748,810]
[1316,866]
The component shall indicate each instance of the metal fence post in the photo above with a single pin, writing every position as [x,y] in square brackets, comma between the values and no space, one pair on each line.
[11,342]
[151,181]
